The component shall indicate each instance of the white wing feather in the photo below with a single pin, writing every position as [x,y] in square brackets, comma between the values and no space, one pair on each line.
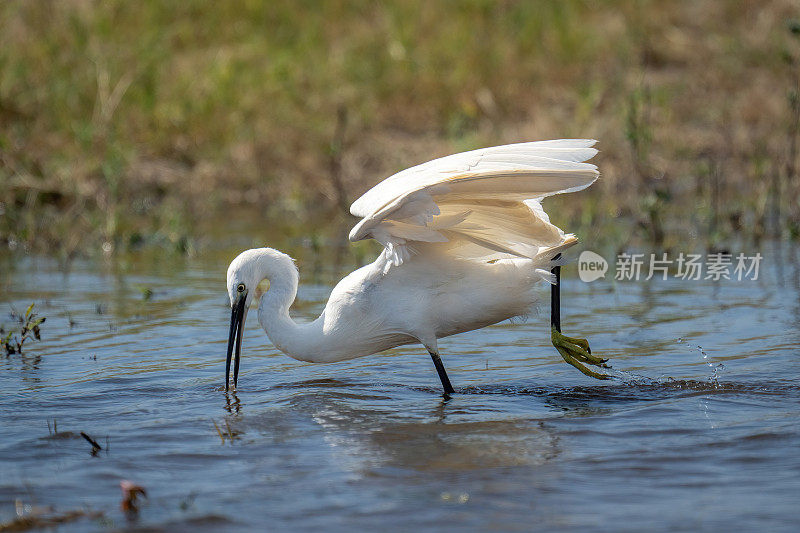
[480,204]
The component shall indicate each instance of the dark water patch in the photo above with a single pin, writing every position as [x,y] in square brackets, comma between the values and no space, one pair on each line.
[640,390]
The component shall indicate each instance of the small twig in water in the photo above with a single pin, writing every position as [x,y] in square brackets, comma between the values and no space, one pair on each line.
[230,433]
[222,438]
[95,447]
[130,492]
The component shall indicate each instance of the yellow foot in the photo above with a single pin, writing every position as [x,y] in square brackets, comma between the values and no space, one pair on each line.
[577,352]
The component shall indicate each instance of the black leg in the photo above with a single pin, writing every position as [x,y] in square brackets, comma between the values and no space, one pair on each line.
[555,297]
[575,351]
[437,361]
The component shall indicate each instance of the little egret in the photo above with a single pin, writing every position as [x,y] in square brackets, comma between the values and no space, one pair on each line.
[465,243]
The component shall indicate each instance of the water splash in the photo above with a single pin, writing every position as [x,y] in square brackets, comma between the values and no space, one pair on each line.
[716,368]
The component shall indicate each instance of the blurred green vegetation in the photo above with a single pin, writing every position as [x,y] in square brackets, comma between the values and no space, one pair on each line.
[126,124]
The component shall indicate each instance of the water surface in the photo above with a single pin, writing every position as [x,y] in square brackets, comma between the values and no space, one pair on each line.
[700,432]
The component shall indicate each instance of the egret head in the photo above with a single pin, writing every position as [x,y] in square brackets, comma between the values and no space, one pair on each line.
[244,275]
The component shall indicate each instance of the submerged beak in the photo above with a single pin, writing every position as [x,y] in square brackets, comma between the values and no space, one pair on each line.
[235,337]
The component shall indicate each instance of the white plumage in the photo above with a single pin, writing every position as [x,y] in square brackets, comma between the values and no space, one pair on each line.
[481,202]
[465,241]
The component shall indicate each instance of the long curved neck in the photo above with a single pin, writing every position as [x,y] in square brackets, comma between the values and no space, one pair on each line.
[283,280]
[299,341]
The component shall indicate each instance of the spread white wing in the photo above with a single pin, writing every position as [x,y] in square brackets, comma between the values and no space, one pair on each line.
[483,204]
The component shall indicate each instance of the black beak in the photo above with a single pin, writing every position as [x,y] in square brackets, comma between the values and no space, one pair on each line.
[235,337]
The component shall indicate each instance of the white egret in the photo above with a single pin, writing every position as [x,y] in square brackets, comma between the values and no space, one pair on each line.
[465,243]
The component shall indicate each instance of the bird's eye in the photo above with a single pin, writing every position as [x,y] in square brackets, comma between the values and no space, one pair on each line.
[240,287]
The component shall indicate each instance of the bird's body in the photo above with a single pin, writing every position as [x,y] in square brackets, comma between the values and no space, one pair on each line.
[373,309]
[465,240]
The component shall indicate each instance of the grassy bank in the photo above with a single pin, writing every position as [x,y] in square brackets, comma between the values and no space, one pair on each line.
[125,124]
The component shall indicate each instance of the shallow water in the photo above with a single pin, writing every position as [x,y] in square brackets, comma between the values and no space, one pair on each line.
[701,430]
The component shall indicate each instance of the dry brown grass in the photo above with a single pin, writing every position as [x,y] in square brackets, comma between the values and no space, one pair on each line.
[126,123]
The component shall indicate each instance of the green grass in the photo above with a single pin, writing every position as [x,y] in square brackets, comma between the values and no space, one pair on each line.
[126,123]
[12,341]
